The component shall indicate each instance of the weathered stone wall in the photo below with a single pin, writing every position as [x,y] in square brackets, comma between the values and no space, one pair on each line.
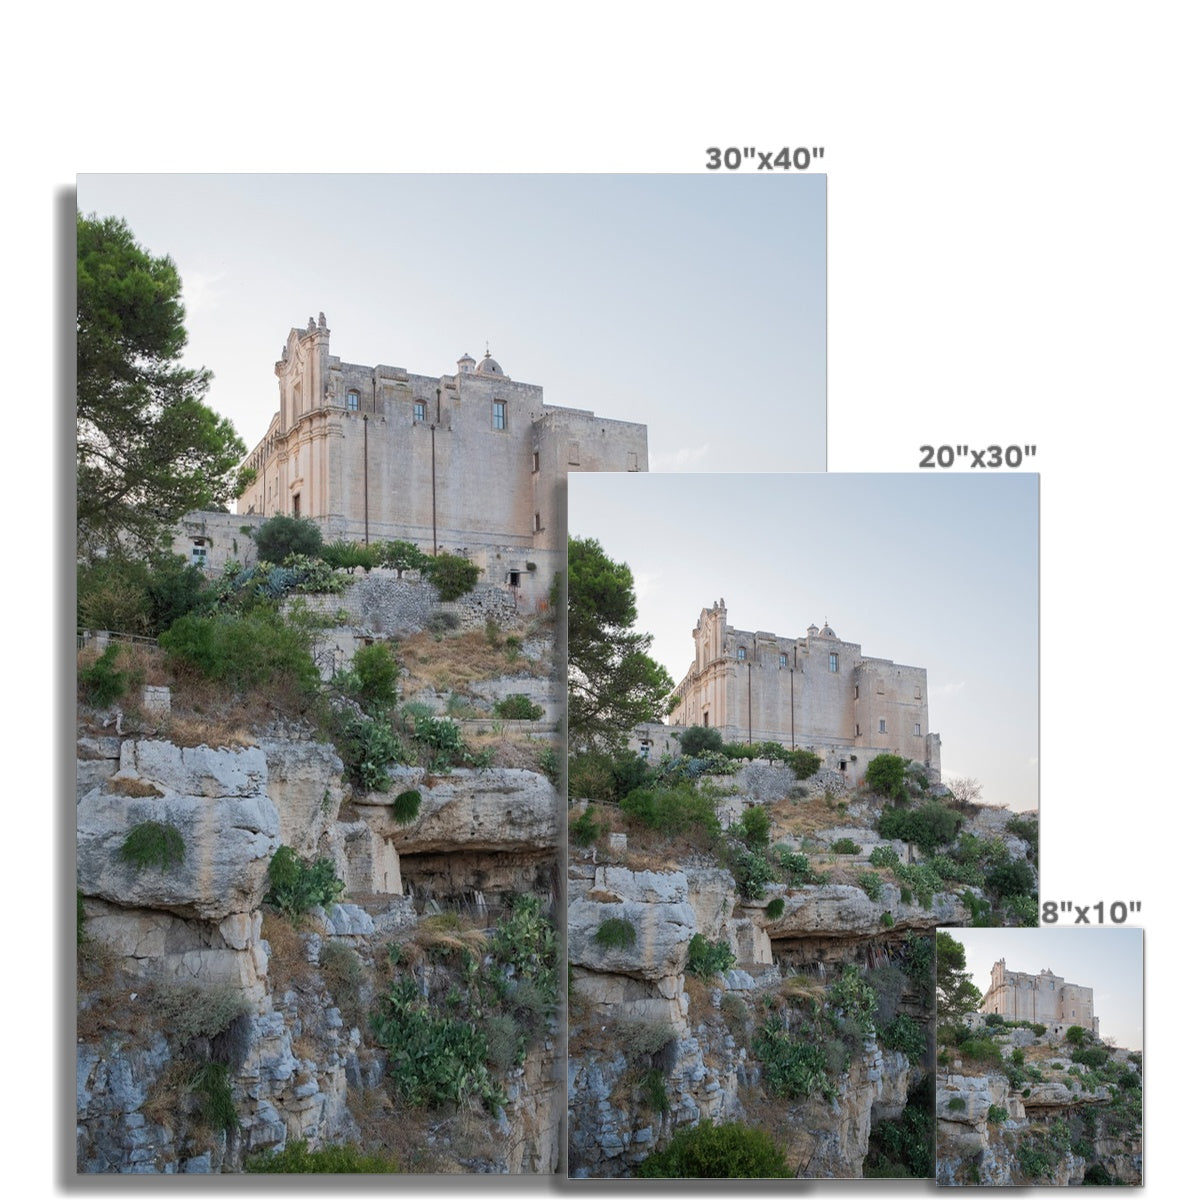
[472,460]
[817,692]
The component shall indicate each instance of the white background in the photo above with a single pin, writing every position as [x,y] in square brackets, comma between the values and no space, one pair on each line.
[1012,258]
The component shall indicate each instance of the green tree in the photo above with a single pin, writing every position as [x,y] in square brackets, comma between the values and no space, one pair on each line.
[956,994]
[283,536]
[885,777]
[148,449]
[612,682]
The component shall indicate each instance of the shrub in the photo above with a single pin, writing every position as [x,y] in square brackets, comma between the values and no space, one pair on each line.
[706,959]
[796,868]
[887,920]
[673,811]
[775,909]
[905,1034]
[653,1091]
[452,576]
[1026,828]
[187,1010]
[210,1085]
[1010,879]
[585,829]
[1090,1056]
[997,1114]
[751,872]
[845,845]
[1078,1036]
[930,826]
[518,708]
[755,827]
[804,763]
[442,740]
[297,1159]
[377,671]
[297,886]
[405,806]
[708,1151]
[981,1050]
[102,683]
[884,856]
[432,1059]
[698,739]
[793,1068]
[885,776]
[345,556]
[368,747]
[871,884]
[257,649]
[548,763]
[616,933]
[956,1104]
[282,536]
[400,556]
[153,844]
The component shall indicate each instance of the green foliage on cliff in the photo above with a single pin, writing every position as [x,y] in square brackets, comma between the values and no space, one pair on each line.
[708,1151]
[297,886]
[616,933]
[153,844]
[297,1159]
[452,576]
[885,777]
[707,959]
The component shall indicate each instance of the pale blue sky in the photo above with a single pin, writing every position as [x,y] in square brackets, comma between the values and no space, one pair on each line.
[934,571]
[693,303]
[1108,960]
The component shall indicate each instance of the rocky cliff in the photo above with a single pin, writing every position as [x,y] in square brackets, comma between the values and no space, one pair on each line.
[194,995]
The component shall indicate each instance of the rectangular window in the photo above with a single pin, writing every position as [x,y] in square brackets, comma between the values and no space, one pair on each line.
[783,660]
[882,725]
[537,462]
[857,731]
[499,417]
[631,463]
[296,505]
[741,654]
[572,454]
[514,579]
[418,411]
[833,663]
[537,522]
[199,552]
[917,730]
[352,401]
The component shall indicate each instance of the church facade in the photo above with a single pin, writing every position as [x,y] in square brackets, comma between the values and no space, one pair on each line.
[1044,998]
[816,692]
[473,462]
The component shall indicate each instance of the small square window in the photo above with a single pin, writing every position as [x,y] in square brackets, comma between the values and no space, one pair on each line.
[499,415]
[418,411]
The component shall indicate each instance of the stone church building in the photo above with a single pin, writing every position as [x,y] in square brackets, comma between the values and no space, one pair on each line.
[1044,998]
[472,462]
[815,692]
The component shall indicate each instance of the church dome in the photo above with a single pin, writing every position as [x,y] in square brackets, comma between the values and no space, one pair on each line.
[466,363]
[827,632]
[488,366]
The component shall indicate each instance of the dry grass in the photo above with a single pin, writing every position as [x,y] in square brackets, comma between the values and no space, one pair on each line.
[448,932]
[124,785]
[812,816]
[454,661]
[803,987]
[523,755]
[166,1102]
[288,963]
